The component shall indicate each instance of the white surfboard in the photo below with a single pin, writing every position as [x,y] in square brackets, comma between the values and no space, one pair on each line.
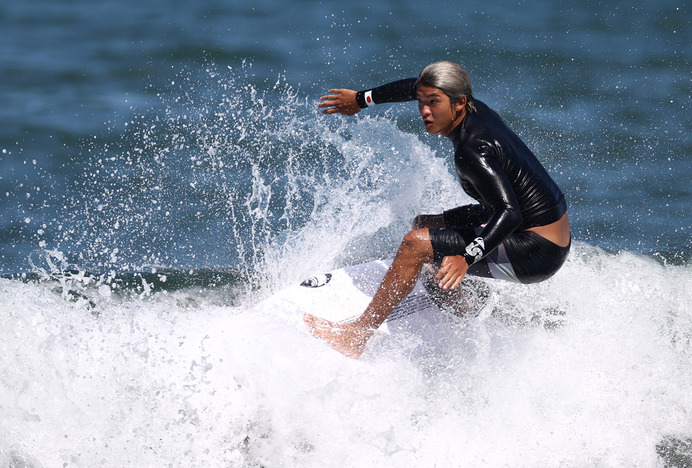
[343,294]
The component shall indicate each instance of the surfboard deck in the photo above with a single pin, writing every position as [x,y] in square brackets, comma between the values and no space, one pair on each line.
[343,294]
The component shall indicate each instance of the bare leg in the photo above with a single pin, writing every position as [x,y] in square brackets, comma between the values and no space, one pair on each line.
[350,338]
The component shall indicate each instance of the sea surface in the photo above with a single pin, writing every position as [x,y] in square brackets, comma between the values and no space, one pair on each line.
[164,171]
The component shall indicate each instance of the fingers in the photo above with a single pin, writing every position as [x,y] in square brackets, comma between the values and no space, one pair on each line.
[330,105]
[450,281]
[444,276]
[328,109]
[340,109]
[328,100]
[335,98]
[339,101]
[451,272]
[331,102]
[456,282]
[327,104]
[335,93]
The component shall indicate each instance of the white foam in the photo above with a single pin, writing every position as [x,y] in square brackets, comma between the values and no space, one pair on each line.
[592,368]
[176,378]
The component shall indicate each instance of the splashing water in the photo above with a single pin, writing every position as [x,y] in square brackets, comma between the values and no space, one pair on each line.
[134,345]
[248,180]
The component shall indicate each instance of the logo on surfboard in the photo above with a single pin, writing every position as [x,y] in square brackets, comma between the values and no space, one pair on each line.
[317,281]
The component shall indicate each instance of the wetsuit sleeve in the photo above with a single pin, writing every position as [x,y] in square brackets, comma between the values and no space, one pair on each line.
[495,191]
[396,91]
[466,216]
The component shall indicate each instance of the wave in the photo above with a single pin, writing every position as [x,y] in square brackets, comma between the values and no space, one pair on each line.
[591,367]
[140,333]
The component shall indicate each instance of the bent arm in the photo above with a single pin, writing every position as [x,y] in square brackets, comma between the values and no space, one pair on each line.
[496,192]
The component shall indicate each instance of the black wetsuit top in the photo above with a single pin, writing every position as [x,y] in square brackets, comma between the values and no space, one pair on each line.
[495,167]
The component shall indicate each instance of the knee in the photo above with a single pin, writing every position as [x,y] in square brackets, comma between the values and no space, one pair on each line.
[416,243]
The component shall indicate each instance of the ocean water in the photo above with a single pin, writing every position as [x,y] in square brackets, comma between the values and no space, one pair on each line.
[164,171]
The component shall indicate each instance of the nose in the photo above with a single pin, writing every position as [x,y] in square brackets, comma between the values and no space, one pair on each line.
[424,110]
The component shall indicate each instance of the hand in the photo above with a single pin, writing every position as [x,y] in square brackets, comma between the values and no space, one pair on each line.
[340,101]
[452,271]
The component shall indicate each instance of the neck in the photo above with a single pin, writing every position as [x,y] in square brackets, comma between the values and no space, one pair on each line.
[457,121]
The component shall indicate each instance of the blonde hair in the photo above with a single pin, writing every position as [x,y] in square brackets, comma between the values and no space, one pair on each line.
[451,78]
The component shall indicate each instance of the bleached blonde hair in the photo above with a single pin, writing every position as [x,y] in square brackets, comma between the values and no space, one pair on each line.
[451,78]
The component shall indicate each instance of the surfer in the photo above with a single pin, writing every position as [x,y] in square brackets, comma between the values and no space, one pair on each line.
[518,230]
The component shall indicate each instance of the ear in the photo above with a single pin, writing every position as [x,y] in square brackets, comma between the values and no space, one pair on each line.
[461,104]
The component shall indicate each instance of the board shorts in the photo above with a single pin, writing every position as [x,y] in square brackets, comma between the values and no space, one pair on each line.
[524,257]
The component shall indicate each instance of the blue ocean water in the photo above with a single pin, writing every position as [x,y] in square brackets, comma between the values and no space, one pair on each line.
[163,169]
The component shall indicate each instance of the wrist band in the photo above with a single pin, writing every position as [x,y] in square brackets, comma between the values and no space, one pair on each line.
[368,99]
[474,251]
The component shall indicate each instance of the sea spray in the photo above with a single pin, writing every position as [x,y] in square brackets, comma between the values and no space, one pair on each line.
[224,175]
[157,358]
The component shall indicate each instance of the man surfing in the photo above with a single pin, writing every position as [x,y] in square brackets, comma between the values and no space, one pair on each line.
[518,231]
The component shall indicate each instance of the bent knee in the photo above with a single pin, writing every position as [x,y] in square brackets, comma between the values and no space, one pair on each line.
[417,242]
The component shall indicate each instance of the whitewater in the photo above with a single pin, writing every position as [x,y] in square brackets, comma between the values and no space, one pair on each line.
[132,339]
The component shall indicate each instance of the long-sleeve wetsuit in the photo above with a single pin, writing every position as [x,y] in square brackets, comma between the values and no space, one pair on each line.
[495,167]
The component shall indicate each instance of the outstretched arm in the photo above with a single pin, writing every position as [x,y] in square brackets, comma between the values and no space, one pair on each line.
[349,102]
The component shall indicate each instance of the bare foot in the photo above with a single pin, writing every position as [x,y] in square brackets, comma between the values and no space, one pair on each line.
[347,338]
